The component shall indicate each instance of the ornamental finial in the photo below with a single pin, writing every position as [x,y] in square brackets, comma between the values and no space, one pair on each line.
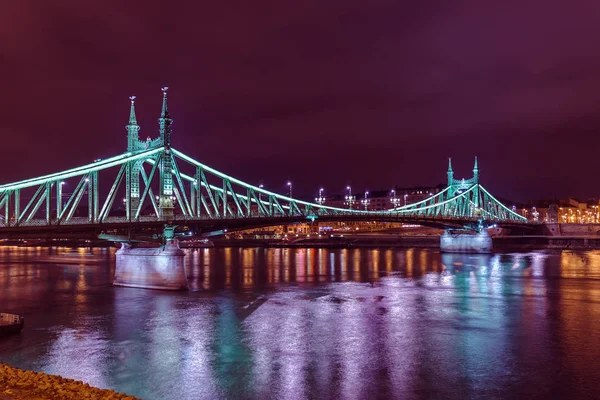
[132,119]
[165,109]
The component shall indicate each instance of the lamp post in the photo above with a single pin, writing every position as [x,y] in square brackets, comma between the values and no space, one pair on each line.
[395,201]
[260,186]
[349,198]
[320,200]
[365,202]
[405,196]
[290,185]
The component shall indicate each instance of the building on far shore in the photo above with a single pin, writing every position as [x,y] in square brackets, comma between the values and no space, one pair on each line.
[567,211]
[377,200]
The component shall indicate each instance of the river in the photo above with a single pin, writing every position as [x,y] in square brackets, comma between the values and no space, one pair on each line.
[313,323]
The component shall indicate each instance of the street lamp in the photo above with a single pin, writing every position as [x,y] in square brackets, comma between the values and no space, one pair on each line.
[320,200]
[365,202]
[290,185]
[535,214]
[395,201]
[259,193]
[405,196]
[349,198]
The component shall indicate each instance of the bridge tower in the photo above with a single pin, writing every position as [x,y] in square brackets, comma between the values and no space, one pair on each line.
[132,128]
[476,182]
[166,180]
[132,176]
[450,172]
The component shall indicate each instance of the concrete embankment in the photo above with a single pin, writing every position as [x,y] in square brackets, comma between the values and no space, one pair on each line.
[546,242]
[16,383]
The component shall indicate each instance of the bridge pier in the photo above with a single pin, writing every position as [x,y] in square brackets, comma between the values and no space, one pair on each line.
[151,268]
[478,243]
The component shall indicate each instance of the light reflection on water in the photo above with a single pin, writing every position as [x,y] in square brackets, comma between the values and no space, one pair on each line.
[313,323]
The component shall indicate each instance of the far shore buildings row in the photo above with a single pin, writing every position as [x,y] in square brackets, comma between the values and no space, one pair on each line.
[380,199]
[569,211]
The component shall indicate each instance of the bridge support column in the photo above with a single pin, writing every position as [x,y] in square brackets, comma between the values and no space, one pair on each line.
[480,242]
[166,208]
[152,268]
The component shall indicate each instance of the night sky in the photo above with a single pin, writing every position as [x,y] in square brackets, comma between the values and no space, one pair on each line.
[367,93]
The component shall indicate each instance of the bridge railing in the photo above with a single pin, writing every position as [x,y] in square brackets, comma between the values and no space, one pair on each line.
[180,219]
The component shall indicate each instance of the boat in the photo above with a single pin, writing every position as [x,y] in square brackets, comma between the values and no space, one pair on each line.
[10,324]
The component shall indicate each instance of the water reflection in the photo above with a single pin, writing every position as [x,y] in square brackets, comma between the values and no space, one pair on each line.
[257,268]
[301,323]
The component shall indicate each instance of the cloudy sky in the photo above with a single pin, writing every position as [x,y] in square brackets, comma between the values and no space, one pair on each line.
[368,93]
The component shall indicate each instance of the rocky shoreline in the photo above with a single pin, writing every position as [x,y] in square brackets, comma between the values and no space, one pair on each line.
[17,383]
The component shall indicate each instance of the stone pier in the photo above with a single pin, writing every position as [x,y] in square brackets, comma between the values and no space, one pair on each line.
[451,242]
[151,268]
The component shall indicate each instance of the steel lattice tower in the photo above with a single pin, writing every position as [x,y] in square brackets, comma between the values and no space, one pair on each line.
[166,180]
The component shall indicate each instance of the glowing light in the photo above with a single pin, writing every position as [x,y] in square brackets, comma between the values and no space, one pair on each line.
[78,171]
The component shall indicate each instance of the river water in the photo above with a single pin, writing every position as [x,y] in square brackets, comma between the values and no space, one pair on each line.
[313,323]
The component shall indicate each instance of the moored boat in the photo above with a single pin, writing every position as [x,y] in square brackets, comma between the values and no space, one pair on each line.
[10,324]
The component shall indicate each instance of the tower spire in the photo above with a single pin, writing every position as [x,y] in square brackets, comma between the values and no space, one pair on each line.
[166,181]
[476,171]
[165,120]
[165,109]
[132,128]
[132,119]
[450,173]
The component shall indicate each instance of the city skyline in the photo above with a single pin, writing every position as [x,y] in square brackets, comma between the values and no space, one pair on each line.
[270,96]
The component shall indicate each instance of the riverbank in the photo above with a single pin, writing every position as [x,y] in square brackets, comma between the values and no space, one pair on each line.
[546,242]
[510,243]
[16,383]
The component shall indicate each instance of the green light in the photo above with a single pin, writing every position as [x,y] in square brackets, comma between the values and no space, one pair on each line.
[454,201]
[263,191]
[95,166]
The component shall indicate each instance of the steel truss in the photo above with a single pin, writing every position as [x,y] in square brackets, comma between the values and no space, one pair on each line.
[206,194]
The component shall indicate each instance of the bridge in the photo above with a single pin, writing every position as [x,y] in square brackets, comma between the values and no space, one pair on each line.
[160,185]
[164,191]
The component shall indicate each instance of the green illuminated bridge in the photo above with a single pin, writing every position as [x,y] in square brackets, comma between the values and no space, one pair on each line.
[160,185]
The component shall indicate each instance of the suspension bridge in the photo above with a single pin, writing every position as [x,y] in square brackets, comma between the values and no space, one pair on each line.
[160,185]
[166,193]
